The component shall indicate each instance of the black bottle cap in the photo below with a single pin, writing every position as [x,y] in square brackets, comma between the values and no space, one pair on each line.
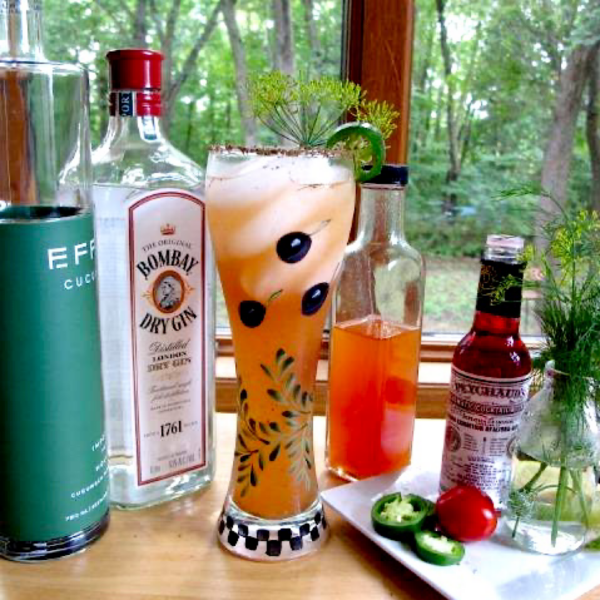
[390,175]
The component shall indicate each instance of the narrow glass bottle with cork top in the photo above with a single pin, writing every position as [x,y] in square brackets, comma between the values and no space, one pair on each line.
[491,373]
[53,467]
[156,282]
[376,337]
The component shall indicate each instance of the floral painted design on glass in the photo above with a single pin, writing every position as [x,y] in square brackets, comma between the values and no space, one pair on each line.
[286,438]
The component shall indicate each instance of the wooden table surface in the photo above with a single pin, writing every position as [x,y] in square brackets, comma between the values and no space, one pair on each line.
[171,552]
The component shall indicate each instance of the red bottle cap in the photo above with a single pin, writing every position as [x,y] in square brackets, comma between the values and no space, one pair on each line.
[135,69]
[135,82]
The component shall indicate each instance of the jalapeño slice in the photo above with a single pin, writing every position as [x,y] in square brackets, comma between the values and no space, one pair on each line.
[365,142]
[438,549]
[394,516]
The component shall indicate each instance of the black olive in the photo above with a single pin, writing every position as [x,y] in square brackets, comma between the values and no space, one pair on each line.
[314,298]
[293,247]
[252,313]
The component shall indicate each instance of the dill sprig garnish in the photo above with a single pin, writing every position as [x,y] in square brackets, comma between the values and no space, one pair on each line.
[306,111]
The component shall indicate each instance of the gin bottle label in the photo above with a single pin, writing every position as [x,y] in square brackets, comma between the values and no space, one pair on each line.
[482,419]
[53,465]
[168,331]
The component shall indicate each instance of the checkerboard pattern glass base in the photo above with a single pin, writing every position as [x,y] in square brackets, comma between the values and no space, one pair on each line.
[259,539]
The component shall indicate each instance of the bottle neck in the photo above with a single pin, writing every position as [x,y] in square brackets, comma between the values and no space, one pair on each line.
[499,294]
[21,30]
[135,115]
[128,130]
[381,217]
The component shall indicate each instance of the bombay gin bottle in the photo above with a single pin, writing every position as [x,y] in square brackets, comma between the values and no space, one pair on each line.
[53,468]
[156,285]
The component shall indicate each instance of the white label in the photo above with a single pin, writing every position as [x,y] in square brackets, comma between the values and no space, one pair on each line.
[166,264]
[482,420]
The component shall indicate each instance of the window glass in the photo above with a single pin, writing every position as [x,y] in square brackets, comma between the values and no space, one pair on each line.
[489,79]
[212,47]
[488,88]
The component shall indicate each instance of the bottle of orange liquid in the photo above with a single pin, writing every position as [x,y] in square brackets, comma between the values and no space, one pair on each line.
[375,339]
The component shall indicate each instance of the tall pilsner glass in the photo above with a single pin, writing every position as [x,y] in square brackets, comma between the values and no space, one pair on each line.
[279,222]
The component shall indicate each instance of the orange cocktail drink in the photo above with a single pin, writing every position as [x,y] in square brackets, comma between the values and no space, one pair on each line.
[371,417]
[279,222]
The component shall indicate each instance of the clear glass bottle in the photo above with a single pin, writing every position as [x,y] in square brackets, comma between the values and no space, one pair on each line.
[157,284]
[376,338]
[491,373]
[53,469]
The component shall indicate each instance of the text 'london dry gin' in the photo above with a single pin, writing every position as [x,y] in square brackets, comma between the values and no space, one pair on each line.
[156,282]
[53,467]
[491,372]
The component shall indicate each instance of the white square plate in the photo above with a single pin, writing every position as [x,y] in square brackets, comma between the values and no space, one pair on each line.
[490,570]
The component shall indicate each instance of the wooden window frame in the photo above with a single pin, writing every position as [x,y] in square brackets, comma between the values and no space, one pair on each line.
[377,54]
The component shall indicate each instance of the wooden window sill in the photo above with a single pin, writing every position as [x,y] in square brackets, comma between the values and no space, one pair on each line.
[431,400]
[434,373]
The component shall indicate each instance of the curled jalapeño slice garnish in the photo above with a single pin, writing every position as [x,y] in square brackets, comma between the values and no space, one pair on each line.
[365,142]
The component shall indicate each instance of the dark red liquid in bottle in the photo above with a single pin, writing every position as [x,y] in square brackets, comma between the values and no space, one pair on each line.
[493,348]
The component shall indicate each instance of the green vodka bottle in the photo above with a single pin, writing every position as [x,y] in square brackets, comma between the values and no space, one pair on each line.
[53,467]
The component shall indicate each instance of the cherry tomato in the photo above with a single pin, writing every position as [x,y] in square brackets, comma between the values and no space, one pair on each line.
[466,514]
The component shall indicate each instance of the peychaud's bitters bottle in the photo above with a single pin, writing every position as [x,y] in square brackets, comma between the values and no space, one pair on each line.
[156,283]
[53,468]
[491,372]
